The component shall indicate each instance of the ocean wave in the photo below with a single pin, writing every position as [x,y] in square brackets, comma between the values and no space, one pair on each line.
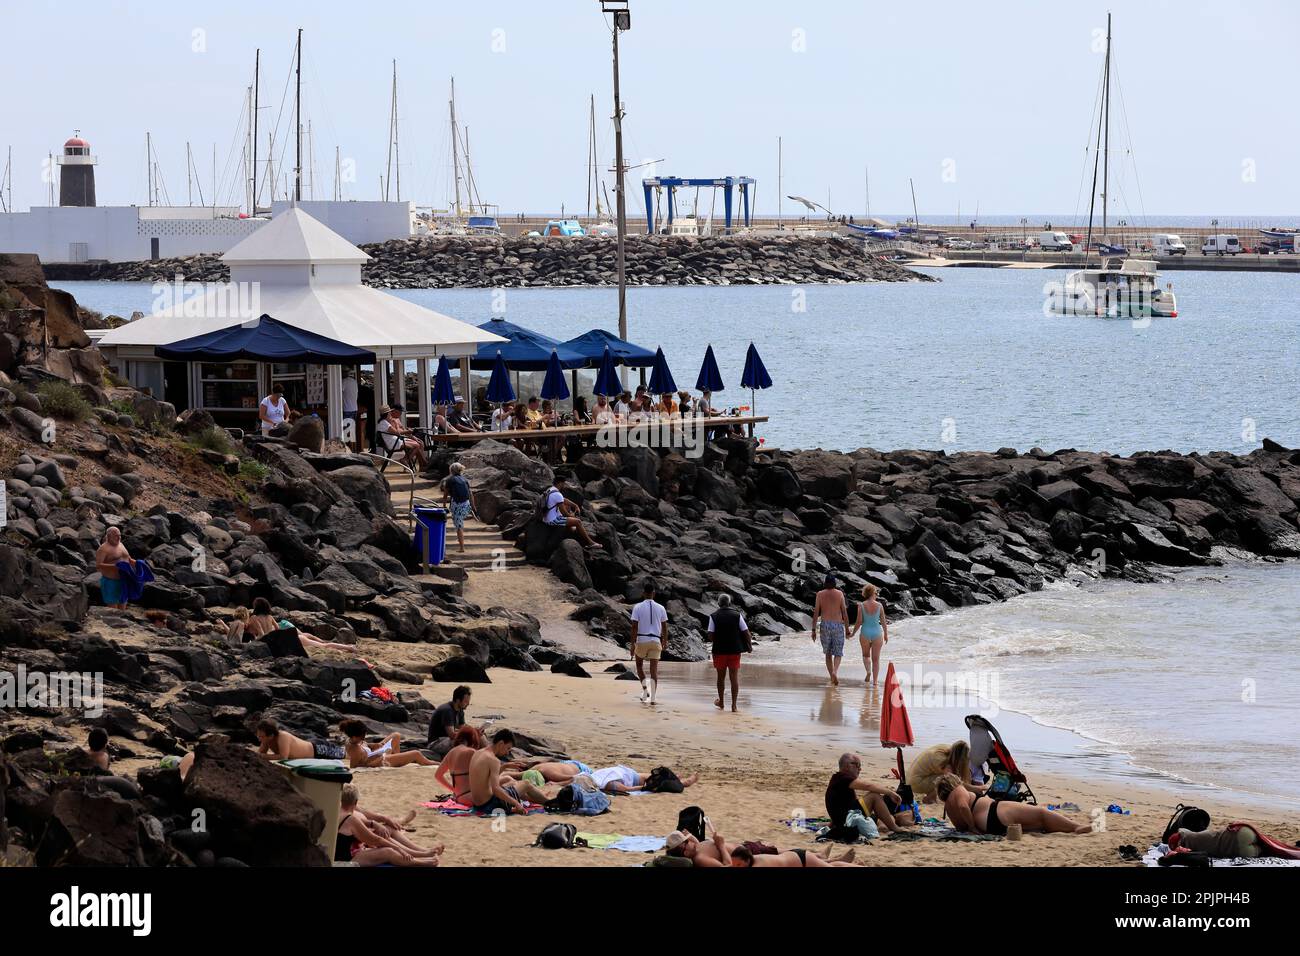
[1032,642]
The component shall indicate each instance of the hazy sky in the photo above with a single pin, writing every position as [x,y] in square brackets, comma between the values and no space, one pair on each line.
[987,103]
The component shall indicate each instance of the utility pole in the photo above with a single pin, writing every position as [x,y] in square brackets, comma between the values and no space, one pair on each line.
[622,21]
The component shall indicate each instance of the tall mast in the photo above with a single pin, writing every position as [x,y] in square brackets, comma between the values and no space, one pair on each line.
[866,174]
[397,145]
[297,123]
[591,158]
[455,149]
[189,180]
[392,115]
[257,79]
[779,160]
[148,158]
[337,174]
[1105,162]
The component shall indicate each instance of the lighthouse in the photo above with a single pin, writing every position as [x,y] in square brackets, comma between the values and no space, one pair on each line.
[77,179]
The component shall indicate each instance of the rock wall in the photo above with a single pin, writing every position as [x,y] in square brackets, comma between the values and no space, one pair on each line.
[449,261]
[932,531]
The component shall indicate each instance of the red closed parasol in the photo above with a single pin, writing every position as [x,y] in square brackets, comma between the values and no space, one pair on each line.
[895,725]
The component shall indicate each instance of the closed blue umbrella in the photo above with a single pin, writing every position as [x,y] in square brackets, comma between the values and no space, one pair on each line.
[553,387]
[755,375]
[607,381]
[499,390]
[443,393]
[710,379]
[661,380]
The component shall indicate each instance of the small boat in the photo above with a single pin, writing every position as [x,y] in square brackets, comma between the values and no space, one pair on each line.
[1117,289]
[563,227]
[1280,232]
[482,226]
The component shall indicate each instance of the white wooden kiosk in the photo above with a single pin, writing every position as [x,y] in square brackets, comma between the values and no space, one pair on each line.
[297,271]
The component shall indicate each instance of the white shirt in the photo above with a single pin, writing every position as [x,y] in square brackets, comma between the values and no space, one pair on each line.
[619,774]
[392,442]
[604,416]
[349,395]
[501,420]
[553,501]
[275,411]
[622,408]
[650,618]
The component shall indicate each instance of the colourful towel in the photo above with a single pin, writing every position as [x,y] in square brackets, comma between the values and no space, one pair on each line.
[454,808]
[628,844]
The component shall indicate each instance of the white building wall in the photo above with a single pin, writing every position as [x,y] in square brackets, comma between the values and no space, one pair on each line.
[359,222]
[117,233]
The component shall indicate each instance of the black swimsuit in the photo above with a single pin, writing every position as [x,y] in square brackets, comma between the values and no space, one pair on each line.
[994,825]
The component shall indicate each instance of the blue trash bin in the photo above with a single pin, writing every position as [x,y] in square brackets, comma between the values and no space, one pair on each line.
[432,521]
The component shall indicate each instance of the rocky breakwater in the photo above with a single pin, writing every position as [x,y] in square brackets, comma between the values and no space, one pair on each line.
[442,262]
[933,531]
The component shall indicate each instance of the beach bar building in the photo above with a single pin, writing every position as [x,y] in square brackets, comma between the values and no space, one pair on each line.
[301,274]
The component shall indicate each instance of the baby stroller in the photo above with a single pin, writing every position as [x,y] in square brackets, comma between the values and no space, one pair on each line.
[986,747]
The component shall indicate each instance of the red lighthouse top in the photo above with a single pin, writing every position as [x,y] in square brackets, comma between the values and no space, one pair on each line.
[76,143]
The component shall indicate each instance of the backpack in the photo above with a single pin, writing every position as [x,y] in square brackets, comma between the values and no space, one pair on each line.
[691,820]
[559,836]
[663,780]
[1186,818]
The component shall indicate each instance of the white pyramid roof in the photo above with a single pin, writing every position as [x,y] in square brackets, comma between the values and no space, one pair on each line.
[294,237]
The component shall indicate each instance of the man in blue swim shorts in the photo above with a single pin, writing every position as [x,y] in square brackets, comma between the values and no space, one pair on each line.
[830,614]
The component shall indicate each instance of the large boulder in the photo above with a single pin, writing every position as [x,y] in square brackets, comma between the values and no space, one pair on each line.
[365,486]
[251,810]
[569,564]
[307,433]
[824,474]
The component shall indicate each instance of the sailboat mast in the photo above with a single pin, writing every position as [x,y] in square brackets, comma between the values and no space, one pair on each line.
[257,80]
[189,178]
[455,149]
[591,158]
[297,123]
[148,158]
[1105,162]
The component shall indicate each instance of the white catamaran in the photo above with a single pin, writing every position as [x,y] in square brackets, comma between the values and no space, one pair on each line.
[1118,288]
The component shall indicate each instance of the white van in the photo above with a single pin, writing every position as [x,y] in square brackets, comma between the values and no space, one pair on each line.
[1167,244]
[1221,245]
[1055,242]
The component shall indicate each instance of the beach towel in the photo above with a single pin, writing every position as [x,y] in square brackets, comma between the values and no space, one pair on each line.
[454,808]
[134,578]
[627,844]
[807,823]
[1158,850]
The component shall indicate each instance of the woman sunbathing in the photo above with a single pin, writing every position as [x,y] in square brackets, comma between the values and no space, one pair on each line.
[386,753]
[358,842]
[934,761]
[453,771]
[973,813]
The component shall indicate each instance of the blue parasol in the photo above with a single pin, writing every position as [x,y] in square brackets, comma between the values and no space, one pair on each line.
[710,379]
[755,375]
[443,393]
[607,381]
[661,380]
[499,390]
[553,387]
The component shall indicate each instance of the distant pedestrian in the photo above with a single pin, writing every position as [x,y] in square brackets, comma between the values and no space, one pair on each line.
[649,635]
[456,490]
[351,410]
[729,635]
[97,747]
[830,613]
[110,553]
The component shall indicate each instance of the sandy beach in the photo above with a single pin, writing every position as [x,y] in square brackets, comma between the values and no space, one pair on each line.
[754,776]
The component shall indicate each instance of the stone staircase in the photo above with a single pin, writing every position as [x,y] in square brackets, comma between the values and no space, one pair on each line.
[485,548]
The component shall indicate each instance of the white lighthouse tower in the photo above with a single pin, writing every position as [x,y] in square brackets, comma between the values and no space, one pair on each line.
[77,177]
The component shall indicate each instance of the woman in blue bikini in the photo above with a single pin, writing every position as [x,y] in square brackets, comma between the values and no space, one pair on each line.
[872,629]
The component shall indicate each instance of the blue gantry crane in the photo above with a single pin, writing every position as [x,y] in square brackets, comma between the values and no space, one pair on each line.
[670,184]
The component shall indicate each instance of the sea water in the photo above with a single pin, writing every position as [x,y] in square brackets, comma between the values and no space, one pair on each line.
[1196,680]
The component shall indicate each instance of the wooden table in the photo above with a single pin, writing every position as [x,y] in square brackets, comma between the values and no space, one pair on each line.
[619,431]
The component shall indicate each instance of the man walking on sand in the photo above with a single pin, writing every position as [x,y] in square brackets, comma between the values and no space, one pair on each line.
[649,635]
[107,555]
[729,635]
[829,611]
